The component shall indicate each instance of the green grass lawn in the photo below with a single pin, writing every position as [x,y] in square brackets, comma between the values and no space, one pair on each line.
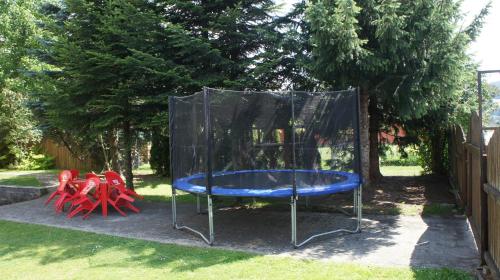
[23,181]
[18,178]
[401,170]
[40,252]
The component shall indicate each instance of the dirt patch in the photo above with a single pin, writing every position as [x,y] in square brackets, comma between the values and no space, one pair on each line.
[391,195]
[409,190]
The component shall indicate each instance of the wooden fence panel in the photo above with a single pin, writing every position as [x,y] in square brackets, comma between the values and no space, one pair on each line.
[492,188]
[477,178]
[474,179]
[458,167]
[64,159]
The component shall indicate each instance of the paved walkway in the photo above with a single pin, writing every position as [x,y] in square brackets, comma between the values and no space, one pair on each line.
[385,240]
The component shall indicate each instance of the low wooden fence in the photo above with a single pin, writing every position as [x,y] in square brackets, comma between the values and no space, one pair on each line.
[475,175]
[63,157]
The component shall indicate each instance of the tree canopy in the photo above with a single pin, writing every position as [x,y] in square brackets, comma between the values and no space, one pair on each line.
[97,74]
[408,56]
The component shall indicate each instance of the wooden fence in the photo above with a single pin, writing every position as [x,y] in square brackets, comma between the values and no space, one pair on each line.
[458,174]
[492,188]
[64,159]
[474,181]
[475,175]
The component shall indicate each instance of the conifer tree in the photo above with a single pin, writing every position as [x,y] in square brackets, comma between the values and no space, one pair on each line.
[407,56]
[118,61]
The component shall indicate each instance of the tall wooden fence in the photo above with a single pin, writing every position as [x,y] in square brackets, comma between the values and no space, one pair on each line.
[475,174]
[492,188]
[458,156]
[63,157]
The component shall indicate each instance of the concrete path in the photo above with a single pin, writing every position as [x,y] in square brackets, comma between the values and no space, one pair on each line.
[385,240]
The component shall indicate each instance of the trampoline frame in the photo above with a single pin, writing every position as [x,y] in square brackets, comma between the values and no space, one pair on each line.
[357,192]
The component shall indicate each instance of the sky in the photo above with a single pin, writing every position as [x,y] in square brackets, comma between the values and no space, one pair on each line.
[486,49]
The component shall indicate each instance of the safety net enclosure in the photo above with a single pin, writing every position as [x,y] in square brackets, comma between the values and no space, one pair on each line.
[265,144]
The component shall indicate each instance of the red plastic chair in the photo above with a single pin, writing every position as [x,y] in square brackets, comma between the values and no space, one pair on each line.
[75,173]
[91,175]
[119,199]
[119,195]
[84,201]
[114,179]
[64,178]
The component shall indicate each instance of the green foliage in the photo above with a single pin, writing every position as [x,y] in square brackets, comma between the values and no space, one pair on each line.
[17,129]
[410,56]
[18,31]
[113,75]
[394,155]
[36,161]
[160,149]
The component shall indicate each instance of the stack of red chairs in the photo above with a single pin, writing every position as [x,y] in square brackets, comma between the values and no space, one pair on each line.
[86,195]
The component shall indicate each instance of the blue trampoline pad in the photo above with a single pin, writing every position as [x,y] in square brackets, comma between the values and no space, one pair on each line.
[271,183]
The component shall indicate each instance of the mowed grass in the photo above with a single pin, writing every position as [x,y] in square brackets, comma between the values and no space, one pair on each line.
[18,178]
[23,181]
[401,170]
[40,252]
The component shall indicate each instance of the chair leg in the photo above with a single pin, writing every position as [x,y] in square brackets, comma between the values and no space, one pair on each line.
[117,208]
[76,211]
[90,211]
[131,207]
[51,197]
[59,205]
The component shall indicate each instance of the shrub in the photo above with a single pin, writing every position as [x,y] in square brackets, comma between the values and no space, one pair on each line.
[36,161]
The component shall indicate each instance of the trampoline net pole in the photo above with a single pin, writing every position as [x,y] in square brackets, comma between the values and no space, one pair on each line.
[171,119]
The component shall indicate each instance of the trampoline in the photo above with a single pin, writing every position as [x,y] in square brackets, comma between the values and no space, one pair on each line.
[271,183]
[265,145]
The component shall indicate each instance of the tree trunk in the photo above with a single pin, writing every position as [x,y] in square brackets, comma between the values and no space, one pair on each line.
[127,141]
[374,131]
[364,135]
[114,151]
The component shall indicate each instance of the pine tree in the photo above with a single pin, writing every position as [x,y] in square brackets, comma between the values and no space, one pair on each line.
[407,56]
[238,31]
[119,61]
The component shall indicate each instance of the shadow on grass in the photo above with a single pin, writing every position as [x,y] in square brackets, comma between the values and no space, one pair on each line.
[53,245]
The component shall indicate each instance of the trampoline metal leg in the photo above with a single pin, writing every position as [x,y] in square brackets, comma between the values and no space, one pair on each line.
[293,208]
[355,207]
[209,240]
[174,209]
[198,206]
[358,208]
[307,202]
[210,220]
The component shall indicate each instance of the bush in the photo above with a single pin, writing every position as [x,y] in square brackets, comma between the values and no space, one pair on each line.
[36,161]
[393,155]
